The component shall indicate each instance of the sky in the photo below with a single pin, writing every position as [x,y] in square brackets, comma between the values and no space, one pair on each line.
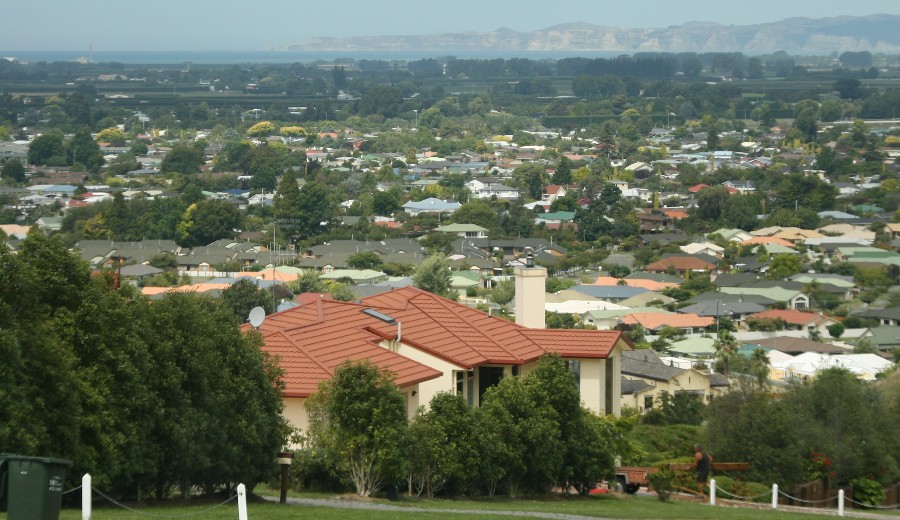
[239,25]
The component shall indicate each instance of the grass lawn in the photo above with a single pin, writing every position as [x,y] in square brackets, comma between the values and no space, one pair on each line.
[615,506]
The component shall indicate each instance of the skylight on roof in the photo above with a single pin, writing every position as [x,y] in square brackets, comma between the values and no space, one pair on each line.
[381,316]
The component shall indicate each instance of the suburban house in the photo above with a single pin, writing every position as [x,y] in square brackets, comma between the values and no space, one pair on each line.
[655,322]
[703,248]
[812,322]
[718,309]
[553,192]
[436,345]
[792,299]
[889,317]
[681,265]
[109,253]
[486,188]
[464,230]
[430,205]
[608,319]
[644,283]
[645,366]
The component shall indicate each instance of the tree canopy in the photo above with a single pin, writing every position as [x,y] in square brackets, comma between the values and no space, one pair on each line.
[146,397]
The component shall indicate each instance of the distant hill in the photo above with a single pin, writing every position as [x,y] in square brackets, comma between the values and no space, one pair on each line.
[802,36]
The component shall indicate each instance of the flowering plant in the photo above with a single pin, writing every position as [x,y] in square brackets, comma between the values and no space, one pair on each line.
[819,467]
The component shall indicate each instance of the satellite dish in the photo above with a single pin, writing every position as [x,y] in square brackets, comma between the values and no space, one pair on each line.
[257,315]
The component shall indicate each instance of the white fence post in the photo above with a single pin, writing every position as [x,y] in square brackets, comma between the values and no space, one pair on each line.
[774,496]
[840,502]
[86,497]
[242,502]
[712,492]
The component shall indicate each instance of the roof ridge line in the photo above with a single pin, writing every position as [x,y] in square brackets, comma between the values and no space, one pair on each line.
[489,338]
[304,351]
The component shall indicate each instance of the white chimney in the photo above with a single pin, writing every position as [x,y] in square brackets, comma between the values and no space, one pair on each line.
[530,293]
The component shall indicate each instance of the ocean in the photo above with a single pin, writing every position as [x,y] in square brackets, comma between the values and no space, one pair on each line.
[228,57]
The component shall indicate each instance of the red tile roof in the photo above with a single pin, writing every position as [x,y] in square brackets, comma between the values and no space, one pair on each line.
[789,316]
[679,263]
[675,214]
[697,188]
[552,189]
[313,339]
[656,320]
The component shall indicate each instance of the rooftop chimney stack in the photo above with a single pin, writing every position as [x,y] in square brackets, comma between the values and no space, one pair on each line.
[530,293]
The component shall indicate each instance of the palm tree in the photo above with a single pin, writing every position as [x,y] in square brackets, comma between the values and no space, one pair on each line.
[759,366]
[726,349]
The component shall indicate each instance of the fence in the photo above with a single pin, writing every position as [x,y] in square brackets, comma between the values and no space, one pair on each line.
[818,494]
[87,491]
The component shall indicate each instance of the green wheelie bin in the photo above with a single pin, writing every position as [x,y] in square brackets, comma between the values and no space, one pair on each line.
[31,487]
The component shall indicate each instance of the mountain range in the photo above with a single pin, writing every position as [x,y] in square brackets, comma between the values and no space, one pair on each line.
[799,36]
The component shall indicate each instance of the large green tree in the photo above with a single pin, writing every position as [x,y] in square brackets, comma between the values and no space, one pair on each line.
[182,158]
[360,415]
[82,149]
[850,422]
[207,221]
[433,275]
[13,170]
[145,397]
[242,296]
[750,426]
[443,448]
[532,178]
[478,212]
[47,147]
[316,211]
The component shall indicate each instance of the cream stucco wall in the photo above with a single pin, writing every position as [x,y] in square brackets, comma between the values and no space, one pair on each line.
[295,413]
[693,381]
[427,389]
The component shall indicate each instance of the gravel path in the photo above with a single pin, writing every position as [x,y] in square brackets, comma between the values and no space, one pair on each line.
[362,504]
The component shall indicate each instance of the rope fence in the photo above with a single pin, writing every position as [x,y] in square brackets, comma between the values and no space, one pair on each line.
[159,515]
[741,497]
[74,489]
[87,502]
[775,493]
[867,506]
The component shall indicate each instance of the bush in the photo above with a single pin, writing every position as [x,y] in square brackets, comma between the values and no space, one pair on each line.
[663,482]
[312,471]
[735,488]
[867,492]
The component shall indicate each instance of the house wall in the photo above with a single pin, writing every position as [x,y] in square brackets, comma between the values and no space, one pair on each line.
[298,417]
[689,380]
[426,390]
[295,413]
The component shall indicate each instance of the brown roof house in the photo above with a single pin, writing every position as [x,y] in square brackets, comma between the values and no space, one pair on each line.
[797,320]
[681,264]
[436,345]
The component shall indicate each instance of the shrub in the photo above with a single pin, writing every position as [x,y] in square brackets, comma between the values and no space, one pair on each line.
[735,488]
[663,482]
[867,492]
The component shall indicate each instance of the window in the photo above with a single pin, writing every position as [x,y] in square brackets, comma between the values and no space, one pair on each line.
[575,369]
[488,377]
[648,402]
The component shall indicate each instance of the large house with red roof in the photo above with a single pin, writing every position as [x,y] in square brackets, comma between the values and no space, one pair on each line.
[432,345]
